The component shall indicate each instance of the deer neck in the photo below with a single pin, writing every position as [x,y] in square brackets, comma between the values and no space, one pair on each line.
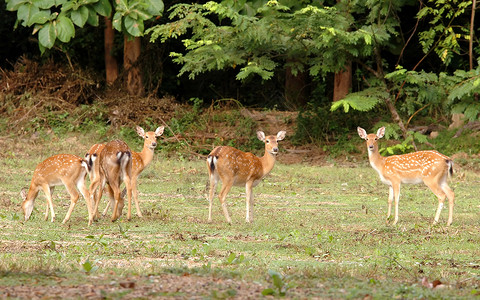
[376,160]
[146,155]
[268,161]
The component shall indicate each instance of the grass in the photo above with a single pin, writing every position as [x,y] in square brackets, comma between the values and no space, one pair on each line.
[318,231]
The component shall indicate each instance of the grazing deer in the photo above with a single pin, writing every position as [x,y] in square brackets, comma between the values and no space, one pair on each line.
[69,170]
[429,167]
[235,167]
[140,160]
[114,166]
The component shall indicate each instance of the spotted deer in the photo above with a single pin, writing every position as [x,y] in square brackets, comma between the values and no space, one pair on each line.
[62,169]
[234,167]
[430,167]
[140,160]
[114,167]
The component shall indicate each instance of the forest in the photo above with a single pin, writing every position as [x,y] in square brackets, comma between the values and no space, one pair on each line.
[216,73]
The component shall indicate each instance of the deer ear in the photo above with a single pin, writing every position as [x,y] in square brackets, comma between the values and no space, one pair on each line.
[281,135]
[159,131]
[380,132]
[362,133]
[261,136]
[140,131]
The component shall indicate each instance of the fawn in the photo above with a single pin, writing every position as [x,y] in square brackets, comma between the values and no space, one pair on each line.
[234,167]
[429,167]
[62,169]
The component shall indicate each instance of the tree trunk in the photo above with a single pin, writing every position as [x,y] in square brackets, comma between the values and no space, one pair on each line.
[131,52]
[342,82]
[295,93]
[111,65]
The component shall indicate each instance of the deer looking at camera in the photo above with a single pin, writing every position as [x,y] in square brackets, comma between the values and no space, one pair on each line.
[62,169]
[140,160]
[429,167]
[234,167]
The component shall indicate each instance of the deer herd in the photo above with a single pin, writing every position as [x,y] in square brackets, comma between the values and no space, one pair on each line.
[111,164]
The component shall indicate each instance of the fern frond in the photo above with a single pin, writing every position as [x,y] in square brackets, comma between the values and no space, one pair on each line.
[365,100]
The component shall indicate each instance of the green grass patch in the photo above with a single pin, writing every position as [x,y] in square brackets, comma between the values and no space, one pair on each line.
[317,232]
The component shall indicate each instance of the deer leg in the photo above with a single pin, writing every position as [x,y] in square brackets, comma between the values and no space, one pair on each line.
[90,205]
[135,197]
[128,185]
[48,195]
[97,195]
[73,200]
[249,202]
[390,201]
[116,195]
[46,203]
[396,195]
[111,200]
[437,190]
[213,186]
[451,200]
[226,186]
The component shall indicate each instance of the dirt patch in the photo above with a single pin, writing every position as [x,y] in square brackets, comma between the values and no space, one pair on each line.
[173,286]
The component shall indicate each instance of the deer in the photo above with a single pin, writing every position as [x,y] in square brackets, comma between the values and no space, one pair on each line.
[114,166]
[140,160]
[430,167]
[62,169]
[237,168]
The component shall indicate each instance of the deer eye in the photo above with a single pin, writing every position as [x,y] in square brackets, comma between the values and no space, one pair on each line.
[268,141]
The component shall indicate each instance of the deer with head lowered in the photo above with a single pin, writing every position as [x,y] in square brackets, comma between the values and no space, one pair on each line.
[62,169]
[234,167]
[114,167]
[430,167]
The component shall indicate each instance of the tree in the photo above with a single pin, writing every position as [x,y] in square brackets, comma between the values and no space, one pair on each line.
[447,35]
[54,21]
[312,39]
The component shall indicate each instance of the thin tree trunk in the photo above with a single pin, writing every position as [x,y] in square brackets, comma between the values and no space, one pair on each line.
[131,53]
[470,43]
[111,64]
[342,82]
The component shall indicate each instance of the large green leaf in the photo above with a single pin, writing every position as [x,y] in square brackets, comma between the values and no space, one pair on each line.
[92,17]
[41,17]
[13,5]
[26,12]
[133,27]
[80,16]
[155,7]
[44,4]
[65,29]
[46,36]
[117,21]
[103,8]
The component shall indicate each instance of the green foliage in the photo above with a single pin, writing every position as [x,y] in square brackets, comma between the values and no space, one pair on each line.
[279,286]
[449,25]
[317,124]
[230,35]
[55,21]
[464,88]
[365,100]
